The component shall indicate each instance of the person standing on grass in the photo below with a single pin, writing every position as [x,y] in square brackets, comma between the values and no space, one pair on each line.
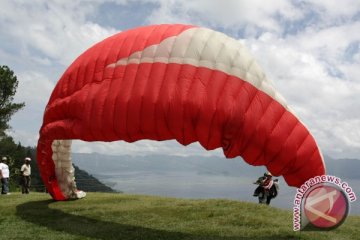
[4,175]
[25,174]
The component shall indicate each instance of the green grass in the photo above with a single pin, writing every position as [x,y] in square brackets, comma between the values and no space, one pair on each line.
[121,216]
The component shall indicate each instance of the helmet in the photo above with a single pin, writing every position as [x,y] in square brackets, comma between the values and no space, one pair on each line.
[27,159]
[267,174]
[4,159]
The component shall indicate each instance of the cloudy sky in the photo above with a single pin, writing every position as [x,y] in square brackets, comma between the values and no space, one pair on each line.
[308,48]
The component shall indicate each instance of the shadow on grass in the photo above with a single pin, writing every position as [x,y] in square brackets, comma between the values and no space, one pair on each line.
[39,213]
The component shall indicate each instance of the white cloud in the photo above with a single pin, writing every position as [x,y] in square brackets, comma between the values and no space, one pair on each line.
[330,43]
[331,9]
[34,89]
[56,29]
[232,15]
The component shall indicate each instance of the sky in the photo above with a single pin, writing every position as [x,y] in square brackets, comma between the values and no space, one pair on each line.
[309,49]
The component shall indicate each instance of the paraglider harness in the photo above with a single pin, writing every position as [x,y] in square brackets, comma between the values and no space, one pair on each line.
[268,188]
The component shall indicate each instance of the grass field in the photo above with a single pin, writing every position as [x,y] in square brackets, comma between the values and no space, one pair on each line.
[121,216]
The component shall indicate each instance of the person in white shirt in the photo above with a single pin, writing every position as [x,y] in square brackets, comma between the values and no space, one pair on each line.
[26,173]
[4,175]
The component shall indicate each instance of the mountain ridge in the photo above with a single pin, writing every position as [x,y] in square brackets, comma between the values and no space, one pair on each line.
[96,163]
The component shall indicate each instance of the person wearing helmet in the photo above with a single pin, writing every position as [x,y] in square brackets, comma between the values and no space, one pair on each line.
[267,179]
[264,180]
[267,189]
[4,175]
[25,174]
[267,174]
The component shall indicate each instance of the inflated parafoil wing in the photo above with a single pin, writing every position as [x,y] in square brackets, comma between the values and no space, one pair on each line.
[173,82]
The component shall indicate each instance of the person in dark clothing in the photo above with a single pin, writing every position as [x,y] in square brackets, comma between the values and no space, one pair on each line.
[267,189]
[26,176]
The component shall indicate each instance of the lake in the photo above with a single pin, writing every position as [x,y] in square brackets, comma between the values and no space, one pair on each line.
[182,184]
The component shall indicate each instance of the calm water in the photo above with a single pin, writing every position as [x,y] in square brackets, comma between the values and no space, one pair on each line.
[194,185]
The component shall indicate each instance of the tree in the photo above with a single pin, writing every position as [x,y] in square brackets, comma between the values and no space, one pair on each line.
[8,86]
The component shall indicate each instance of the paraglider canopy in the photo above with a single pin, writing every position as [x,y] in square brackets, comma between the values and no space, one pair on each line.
[179,82]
